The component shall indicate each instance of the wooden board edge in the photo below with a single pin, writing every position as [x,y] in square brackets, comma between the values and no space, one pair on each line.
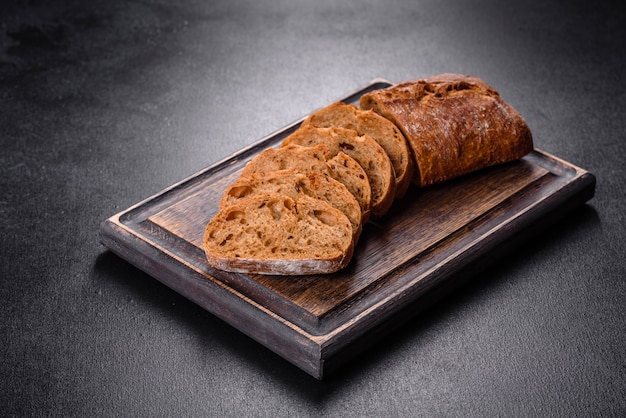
[408,302]
[316,356]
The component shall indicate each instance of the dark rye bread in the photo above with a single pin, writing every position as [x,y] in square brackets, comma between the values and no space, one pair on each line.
[292,183]
[382,130]
[275,234]
[319,159]
[455,124]
[367,152]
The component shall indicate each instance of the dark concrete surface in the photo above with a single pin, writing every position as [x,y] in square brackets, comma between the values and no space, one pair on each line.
[104,103]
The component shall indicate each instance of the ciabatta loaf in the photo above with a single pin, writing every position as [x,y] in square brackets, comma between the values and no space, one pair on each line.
[299,209]
[319,159]
[367,152]
[454,124]
[292,183]
[274,234]
[382,130]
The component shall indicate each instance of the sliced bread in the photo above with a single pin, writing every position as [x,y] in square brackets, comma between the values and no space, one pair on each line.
[382,130]
[363,149]
[275,234]
[293,183]
[319,159]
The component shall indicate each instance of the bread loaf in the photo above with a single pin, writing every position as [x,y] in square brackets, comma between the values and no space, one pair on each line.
[454,124]
[299,209]
[319,159]
[367,152]
[383,131]
[292,183]
[275,234]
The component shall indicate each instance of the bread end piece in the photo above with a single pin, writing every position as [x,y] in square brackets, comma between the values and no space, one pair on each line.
[455,124]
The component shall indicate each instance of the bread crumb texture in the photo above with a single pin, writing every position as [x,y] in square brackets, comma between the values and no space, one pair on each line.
[268,231]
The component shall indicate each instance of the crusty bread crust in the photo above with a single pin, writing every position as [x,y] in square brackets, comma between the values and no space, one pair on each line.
[382,130]
[366,151]
[274,234]
[454,124]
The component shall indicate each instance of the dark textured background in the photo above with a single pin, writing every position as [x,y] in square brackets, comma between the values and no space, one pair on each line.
[105,104]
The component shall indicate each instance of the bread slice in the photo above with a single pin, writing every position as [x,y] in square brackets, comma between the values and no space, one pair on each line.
[275,234]
[367,152]
[382,130]
[293,183]
[318,159]
[454,124]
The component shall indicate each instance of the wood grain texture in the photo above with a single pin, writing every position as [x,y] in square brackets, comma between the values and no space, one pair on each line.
[318,322]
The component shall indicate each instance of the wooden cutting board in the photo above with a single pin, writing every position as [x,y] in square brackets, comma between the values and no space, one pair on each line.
[431,241]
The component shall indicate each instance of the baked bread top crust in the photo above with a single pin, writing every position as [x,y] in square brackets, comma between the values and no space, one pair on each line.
[455,124]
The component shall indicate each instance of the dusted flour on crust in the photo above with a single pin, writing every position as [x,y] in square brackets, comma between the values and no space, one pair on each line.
[455,124]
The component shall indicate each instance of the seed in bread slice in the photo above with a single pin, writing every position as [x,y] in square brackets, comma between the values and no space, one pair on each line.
[318,159]
[293,183]
[382,130]
[275,234]
[367,152]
